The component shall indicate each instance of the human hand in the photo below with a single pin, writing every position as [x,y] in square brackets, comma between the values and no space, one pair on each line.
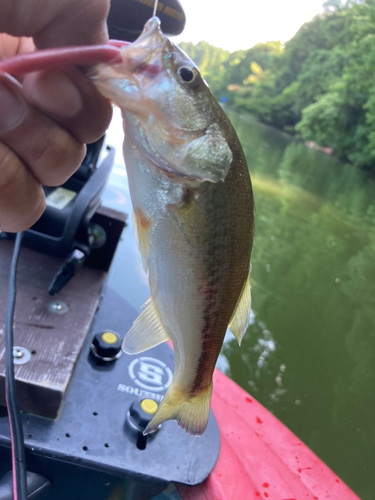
[46,119]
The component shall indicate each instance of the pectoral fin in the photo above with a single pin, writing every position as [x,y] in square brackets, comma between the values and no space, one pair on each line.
[146,332]
[193,222]
[241,315]
[141,226]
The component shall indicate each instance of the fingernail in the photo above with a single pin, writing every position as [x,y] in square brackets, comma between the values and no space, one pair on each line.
[12,109]
[55,93]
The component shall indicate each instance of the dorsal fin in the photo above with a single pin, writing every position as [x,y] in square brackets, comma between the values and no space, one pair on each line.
[241,315]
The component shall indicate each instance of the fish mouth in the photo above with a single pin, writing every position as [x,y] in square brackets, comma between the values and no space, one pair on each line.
[138,57]
[141,66]
[151,32]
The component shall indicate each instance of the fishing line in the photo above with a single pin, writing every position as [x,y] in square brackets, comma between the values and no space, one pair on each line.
[155,8]
[14,415]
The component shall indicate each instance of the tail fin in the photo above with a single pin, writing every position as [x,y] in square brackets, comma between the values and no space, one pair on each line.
[191,413]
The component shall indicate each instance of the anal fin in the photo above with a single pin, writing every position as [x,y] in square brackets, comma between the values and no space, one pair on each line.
[146,332]
[241,315]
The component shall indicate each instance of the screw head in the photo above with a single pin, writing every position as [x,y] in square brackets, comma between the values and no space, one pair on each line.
[21,355]
[57,307]
[96,235]
[17,352]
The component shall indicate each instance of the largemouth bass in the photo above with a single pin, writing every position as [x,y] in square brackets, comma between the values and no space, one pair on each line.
[193,208]
[193,213]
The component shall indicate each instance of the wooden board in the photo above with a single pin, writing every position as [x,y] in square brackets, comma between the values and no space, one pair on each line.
[54,339]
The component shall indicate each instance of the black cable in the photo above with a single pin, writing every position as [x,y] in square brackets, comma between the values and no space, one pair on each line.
[14,415]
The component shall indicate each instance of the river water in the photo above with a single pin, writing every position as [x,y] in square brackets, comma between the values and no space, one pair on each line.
[309,353]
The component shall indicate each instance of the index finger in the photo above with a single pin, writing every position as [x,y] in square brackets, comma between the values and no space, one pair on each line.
[56,23]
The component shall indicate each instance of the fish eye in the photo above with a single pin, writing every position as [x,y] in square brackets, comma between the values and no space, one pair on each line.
[189,76]
[186,74]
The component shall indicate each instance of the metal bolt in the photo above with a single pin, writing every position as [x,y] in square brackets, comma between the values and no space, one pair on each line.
[96,236]
[57,307]
[21,355]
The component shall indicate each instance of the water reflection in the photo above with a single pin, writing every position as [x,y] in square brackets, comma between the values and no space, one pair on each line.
[313,276]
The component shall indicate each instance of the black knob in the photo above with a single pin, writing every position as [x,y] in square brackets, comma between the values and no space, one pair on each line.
[106,346]
[141,412]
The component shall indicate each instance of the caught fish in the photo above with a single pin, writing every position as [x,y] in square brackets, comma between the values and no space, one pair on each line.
[193,215]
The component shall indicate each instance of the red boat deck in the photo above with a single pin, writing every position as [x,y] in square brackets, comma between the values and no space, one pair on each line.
[260,458]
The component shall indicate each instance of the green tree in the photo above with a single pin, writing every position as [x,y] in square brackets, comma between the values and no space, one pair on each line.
[320,86]
[344,117]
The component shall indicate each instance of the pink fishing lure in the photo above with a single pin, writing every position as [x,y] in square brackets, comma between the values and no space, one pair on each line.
[59,58]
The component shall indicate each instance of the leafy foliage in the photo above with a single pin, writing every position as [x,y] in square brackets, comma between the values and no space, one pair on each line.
[320,86]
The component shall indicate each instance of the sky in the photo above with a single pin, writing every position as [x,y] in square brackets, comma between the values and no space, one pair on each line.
[240,24]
